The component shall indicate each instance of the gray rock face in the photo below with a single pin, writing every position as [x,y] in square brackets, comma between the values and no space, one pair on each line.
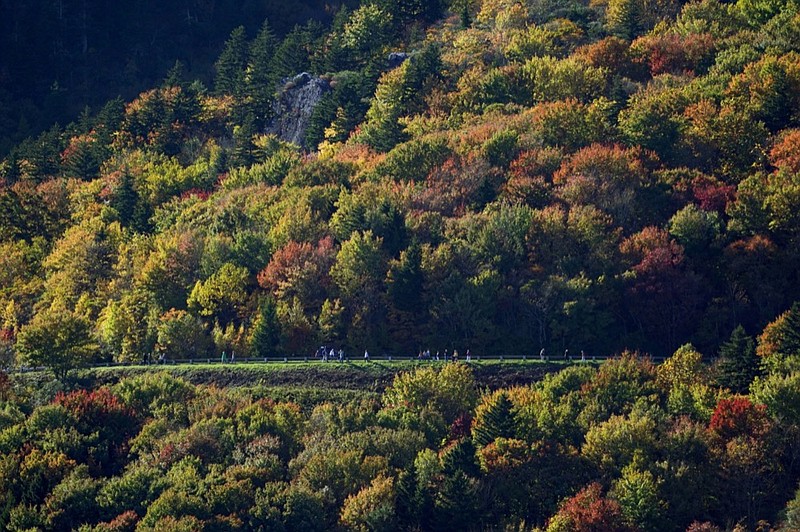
[294,105]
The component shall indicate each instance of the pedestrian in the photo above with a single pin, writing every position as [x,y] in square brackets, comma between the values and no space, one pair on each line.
[224,357]
[233,356]
[583,356]
[437,355]
[341,355]
[445,355]
[566,354]
[541,354]
[469,356]
[455,355]
[366,355]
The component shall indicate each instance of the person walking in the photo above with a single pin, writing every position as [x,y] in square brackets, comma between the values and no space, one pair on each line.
[541,354]
[366,355]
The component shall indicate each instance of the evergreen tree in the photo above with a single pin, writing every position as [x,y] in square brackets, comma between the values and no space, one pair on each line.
[494,421]
[231,64]
[176,77]
[411,500]
[790,344]
[456,503]
[265,334]
[244,149]
[125,199]
[461,457]
[622,18]
[81,161]
[738,364]
[10,169]
[294,53]
[260,80]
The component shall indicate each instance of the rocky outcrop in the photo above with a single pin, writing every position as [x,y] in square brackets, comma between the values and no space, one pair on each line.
[294,105]
[396,59]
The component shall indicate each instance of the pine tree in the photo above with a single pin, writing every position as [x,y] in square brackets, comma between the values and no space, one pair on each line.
[409,499]
[265,334]
[231,64]
[243,150]
[738,364]
[10,169]
[456,503]
[125,199]
[461,456]
[176,76]
[294,53]
[260,80]
[81,161]
[622,18]
[494,422]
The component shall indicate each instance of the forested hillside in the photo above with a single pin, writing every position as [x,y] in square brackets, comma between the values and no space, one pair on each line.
[588,177]
[615,177]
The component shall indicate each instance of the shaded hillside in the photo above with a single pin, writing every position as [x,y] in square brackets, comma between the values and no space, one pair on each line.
[56,57]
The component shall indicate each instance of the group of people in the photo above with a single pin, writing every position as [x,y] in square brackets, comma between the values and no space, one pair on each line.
[325,355]
[148,359]
[426,355]
[567,355]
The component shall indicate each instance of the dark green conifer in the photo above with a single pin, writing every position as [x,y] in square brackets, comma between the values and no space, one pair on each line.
[461,457]
[738,364]
[266,331]
[231,64]
[497,421]
[456,503]
[260,80]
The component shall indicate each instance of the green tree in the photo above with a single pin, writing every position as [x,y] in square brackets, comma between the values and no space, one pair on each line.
[231,65]
[260,79]
[493,419]
[623,18]
[265,333]
[56,339]
[738,364]
[456,503]
[637,493]
[222,295]
[367,30]
[358,267]
[181,335]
